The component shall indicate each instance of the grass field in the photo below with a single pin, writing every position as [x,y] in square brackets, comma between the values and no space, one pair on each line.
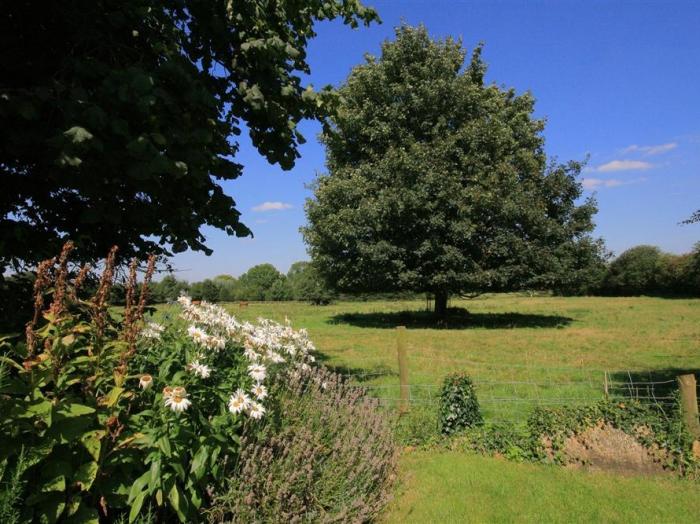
[522,351]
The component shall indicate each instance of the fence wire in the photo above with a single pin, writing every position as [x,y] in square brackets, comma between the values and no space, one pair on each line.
[506,392]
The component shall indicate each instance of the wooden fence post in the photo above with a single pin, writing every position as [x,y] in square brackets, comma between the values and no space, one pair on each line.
[403,368]
[689,403]
[607,392]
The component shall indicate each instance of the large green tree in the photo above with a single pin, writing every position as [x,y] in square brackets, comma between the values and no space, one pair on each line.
[438,182]
[118,119]
[261,282]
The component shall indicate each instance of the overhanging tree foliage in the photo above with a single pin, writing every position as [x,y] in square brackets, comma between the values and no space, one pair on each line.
[438,182]
[117,118]
[695,217]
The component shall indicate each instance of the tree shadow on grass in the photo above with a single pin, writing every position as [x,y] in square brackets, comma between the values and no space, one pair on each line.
[356,373]
[457,318]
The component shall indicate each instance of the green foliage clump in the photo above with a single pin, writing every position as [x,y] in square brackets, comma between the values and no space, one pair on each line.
[329,456]
[509,441]
[543,438]
[11,487]
[419,426]
[635,272]
[459,407]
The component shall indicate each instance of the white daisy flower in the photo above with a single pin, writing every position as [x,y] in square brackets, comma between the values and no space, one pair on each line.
[146,381]
[152,330]
[256,410]
[274,357]
[259,391]
[214,342]
[201,370]
[198,335]
[238,402]
[250,354]
[177,400]
[257,372]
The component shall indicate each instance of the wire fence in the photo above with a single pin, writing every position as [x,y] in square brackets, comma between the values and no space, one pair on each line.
[507,392]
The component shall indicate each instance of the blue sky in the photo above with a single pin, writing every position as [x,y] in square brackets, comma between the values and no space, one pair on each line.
[618,81]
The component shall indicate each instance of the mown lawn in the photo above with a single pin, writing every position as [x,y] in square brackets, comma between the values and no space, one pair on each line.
[455,487]
[522,351]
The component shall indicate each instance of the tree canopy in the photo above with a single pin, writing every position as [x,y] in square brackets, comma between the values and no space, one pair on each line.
[306,284]
[438,182]
[262,282]
[118,119]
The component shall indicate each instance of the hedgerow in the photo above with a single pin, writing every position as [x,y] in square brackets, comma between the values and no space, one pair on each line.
[544,437]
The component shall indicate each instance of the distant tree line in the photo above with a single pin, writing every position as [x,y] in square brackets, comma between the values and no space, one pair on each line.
[643,270]
[640,270]
[261,282]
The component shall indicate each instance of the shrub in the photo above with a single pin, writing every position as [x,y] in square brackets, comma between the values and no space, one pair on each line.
[459,407]
[114,415]
[329,457]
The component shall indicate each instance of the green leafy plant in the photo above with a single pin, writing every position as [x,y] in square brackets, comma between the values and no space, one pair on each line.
[115,415]
[511,442]
[459,407]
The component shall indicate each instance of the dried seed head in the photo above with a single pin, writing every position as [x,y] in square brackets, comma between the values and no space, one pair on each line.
[59,294]
[43,280]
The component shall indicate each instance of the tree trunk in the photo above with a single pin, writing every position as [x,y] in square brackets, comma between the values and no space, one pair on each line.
[441,304]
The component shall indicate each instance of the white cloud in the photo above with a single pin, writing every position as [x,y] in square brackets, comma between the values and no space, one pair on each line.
[650,150]
[623,165]
[272,206]
[597,183]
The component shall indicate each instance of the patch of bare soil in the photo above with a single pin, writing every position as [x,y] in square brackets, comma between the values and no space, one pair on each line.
[605,448]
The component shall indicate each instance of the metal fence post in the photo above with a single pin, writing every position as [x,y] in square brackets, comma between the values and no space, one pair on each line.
[403,368]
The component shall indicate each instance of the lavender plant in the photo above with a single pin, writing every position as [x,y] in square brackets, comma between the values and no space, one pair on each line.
[329,456]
